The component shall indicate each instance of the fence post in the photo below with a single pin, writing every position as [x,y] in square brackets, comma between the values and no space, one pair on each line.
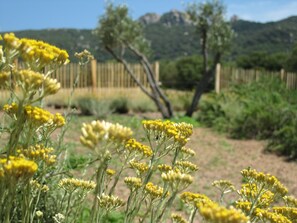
[157,71]
[218,78]
[282,74]
[94,75]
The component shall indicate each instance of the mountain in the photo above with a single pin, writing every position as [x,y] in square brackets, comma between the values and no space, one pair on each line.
[172,35]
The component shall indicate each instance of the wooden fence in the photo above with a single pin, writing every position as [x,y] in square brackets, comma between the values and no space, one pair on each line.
[98,77]
[227,76]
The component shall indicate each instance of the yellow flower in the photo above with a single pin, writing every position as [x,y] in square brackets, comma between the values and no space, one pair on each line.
[10,41]
[110,202]
[72,184]
[269,181]
[164,168]
[250,192]
[132,145]
[110,172]
[194,199]
[224,186]
[187,151]
[270,216]
[98,131]
[17,168]
[288,212]
[153,190]
[38,117]
[290,201]
[33,51]
[133,182]
[177,180]
[140,167]
[38,153]
[177,218]
[4,76]
[165,130]
[186,166]
[10,109]
[245,206]
[218,214]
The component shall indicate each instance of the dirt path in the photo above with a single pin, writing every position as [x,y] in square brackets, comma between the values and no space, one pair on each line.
[223,158]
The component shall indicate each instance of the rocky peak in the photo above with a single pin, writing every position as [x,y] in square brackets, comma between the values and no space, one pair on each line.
[149,18]
[175,17]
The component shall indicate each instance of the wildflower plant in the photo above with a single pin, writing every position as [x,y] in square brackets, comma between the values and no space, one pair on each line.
[29,162]
[36,186]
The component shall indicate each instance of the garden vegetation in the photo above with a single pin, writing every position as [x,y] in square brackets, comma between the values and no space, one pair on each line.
[37,186]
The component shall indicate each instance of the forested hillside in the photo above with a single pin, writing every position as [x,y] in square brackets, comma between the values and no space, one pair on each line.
[172,35]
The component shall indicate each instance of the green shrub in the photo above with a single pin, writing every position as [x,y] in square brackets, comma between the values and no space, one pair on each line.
[120,105]
[261,110]
[93,106]
[183,73]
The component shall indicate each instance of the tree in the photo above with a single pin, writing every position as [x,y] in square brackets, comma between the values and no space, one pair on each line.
[120,35]
[291,63]
[215,36]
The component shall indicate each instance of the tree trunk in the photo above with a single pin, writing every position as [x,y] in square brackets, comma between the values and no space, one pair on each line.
[155,96]
[203,85]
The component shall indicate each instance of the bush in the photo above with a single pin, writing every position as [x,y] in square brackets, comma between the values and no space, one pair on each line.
[258,110]
[93,106]
[183,73]
[120,105]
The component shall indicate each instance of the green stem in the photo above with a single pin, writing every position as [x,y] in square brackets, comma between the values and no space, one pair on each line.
[167,206]
[193,213]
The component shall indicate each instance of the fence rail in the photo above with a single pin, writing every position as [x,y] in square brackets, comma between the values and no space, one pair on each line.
[227,76]
[96,76]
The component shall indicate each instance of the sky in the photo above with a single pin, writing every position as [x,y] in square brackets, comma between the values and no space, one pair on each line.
[84,14]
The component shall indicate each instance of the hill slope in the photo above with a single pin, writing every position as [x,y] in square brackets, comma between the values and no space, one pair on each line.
[172,35]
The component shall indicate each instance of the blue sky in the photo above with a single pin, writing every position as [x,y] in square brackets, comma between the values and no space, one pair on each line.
[43,14]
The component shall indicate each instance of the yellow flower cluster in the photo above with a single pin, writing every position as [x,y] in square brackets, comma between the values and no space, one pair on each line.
[268,180]
[34,184]
[164,130]
[245,206]
[132,145]
[176,179]
[84,56]
[214,213]
[186,166]
[33,51]
[153,190]
[32,81]
[194,199]
[17,167]
[11,42]
[38,153]
[133,182]
[288,212]
[100,130]
[110,172]
[72,184]
[224,185]
[177,218]
[10,109]
[187,151]
[4,77]
[164,168]
[110,202]
[290,201]
[251,192]
[39,117]
[140,167]
[271,217]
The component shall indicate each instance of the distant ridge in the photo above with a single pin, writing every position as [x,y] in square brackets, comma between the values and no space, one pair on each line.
[172,35]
